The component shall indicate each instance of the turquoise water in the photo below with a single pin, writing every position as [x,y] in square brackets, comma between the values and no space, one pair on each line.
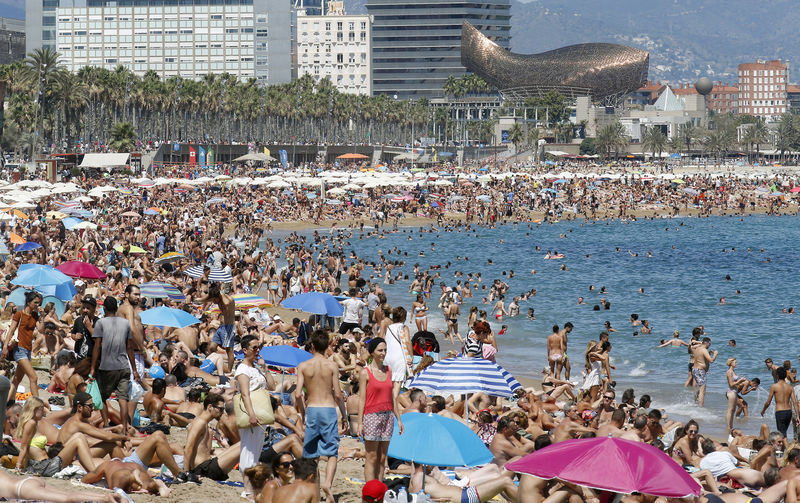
[682,281]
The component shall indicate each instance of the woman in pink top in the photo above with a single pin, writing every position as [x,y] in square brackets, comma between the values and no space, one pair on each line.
[378,410]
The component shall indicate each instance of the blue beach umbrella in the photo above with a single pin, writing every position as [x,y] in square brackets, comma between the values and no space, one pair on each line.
[315,303]
[17,296]
[460,376]
[35,275]
[168,317]
[284,356]
[28,246]
[434,440]
[71,222]
[484,198]
[63,291]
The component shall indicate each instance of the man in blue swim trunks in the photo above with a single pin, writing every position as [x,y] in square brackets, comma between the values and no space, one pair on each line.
[226,332]
[320,378]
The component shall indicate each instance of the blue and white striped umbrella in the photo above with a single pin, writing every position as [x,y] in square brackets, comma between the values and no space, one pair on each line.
[218,275]
[460,376]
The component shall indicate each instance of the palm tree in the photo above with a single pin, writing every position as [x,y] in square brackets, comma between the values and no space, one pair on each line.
[612,137]
[41,65]
[72,95]
[654,140]
[516,136]
[757,134]
[123,137]
[720,141]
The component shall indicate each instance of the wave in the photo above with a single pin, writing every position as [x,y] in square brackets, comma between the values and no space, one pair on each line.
[689,409]
[639,370]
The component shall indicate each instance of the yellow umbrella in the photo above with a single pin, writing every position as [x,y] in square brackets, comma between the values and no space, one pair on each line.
[56,214]
[677,180]
[87,225]
[133,249]
[16,213]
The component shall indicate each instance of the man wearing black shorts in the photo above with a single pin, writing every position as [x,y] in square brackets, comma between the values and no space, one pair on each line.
[197,453]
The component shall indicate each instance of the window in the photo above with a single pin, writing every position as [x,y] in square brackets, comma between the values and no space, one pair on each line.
[340,58]
[339,26]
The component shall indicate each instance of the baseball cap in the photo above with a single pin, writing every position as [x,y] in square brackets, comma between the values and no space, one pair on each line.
[88,299]
[373,491]
[80,398]
[276,317]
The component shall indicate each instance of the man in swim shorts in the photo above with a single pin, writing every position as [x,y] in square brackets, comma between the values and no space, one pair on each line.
[701,359]
[785,401]
[320,378]
[224,336]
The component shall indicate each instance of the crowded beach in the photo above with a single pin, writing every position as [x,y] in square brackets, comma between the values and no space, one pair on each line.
[194,335]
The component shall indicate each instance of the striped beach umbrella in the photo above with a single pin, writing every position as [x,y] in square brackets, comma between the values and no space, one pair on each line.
[460,376]
[215,275]
[161,290]
[245,302]
[169,257]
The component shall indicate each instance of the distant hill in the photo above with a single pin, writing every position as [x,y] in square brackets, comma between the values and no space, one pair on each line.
[686,39]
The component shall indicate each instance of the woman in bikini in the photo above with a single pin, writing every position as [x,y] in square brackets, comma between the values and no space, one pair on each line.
[420,313]
[686,448]
[735,384]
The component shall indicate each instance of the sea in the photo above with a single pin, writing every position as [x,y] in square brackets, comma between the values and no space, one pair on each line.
[670,271]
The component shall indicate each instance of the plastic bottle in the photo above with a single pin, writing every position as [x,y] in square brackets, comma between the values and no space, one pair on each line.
[124,495]
[402,495]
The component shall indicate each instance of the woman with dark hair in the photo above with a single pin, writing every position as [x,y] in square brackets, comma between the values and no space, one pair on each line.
[686,448]
[23,325]
[378,397]
[249,379]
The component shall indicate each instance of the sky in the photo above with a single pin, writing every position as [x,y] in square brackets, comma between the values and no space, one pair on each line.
[12,8]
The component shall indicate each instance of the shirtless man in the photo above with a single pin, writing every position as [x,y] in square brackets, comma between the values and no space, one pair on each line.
[613,427]
[101,441]
[174,392]
[439,406]
[555,352]
[197,454]
[505,446]
[227,330]
[570,425]
[320,378]
[189,336]
[637,433]
[304,489]
[701,359]
[154,404]
[481,492]
[675,341]
[568,326]
[792,468]
[785,401]
[418,402]
[130,477]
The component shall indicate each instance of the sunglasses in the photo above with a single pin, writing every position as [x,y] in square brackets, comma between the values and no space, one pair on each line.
[286,464]
[691,432]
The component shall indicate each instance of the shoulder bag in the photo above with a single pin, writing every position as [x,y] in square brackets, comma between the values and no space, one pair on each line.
[262,406]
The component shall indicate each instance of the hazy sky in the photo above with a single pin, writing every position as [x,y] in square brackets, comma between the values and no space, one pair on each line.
[12,8]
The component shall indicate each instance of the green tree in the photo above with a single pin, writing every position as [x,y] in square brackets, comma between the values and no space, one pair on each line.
[654,141]
[588,147]
[516,135]
[612,138]
[123,137]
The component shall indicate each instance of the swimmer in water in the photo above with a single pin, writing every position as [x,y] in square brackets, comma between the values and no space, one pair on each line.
[675,342]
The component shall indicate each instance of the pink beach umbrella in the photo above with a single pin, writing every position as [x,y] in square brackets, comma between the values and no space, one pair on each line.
[83,270]
[610,464]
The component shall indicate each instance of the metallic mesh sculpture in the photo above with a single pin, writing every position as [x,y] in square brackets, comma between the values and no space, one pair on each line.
[605,72]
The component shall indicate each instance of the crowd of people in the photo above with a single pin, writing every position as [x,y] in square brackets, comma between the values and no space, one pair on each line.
[117,385]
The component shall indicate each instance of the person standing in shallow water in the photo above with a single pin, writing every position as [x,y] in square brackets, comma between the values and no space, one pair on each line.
[701,359]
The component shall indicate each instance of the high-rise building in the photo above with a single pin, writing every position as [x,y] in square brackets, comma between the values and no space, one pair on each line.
[189,38]
[762,88]
[416,44]
[12,40]
[335,46]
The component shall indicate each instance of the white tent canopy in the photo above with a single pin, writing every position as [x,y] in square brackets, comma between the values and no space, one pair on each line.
[104,160]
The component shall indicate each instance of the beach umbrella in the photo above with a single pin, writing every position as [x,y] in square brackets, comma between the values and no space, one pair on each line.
[17,296]
[34,275]
[161,290]
[215,200]
[434,440]
[483,198]
[691,191]
[284,356]
[27,246]
[55,214]
[610,464]
[678,181]
[16,213]
[459,376]
[245,302]
[130,214]
[169,257]
[71,222]
[218,275]
[16,238]
[795,189]
[63,291]
[315,303]
[352,156]
[82,270]
[151,212]
[131,249]
[168,317]
[84,225]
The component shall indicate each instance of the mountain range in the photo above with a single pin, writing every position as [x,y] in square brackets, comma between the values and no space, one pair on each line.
[686,39]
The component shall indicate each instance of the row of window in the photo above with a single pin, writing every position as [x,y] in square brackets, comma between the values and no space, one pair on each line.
[339,58]
[306,39]
[351,25]
[763,73]
[157,38]
[157,53]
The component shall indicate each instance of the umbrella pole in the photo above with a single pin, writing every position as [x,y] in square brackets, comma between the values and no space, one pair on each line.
[466,407]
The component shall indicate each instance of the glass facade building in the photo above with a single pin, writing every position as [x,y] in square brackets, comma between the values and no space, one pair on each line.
[187,38]
[416,44]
